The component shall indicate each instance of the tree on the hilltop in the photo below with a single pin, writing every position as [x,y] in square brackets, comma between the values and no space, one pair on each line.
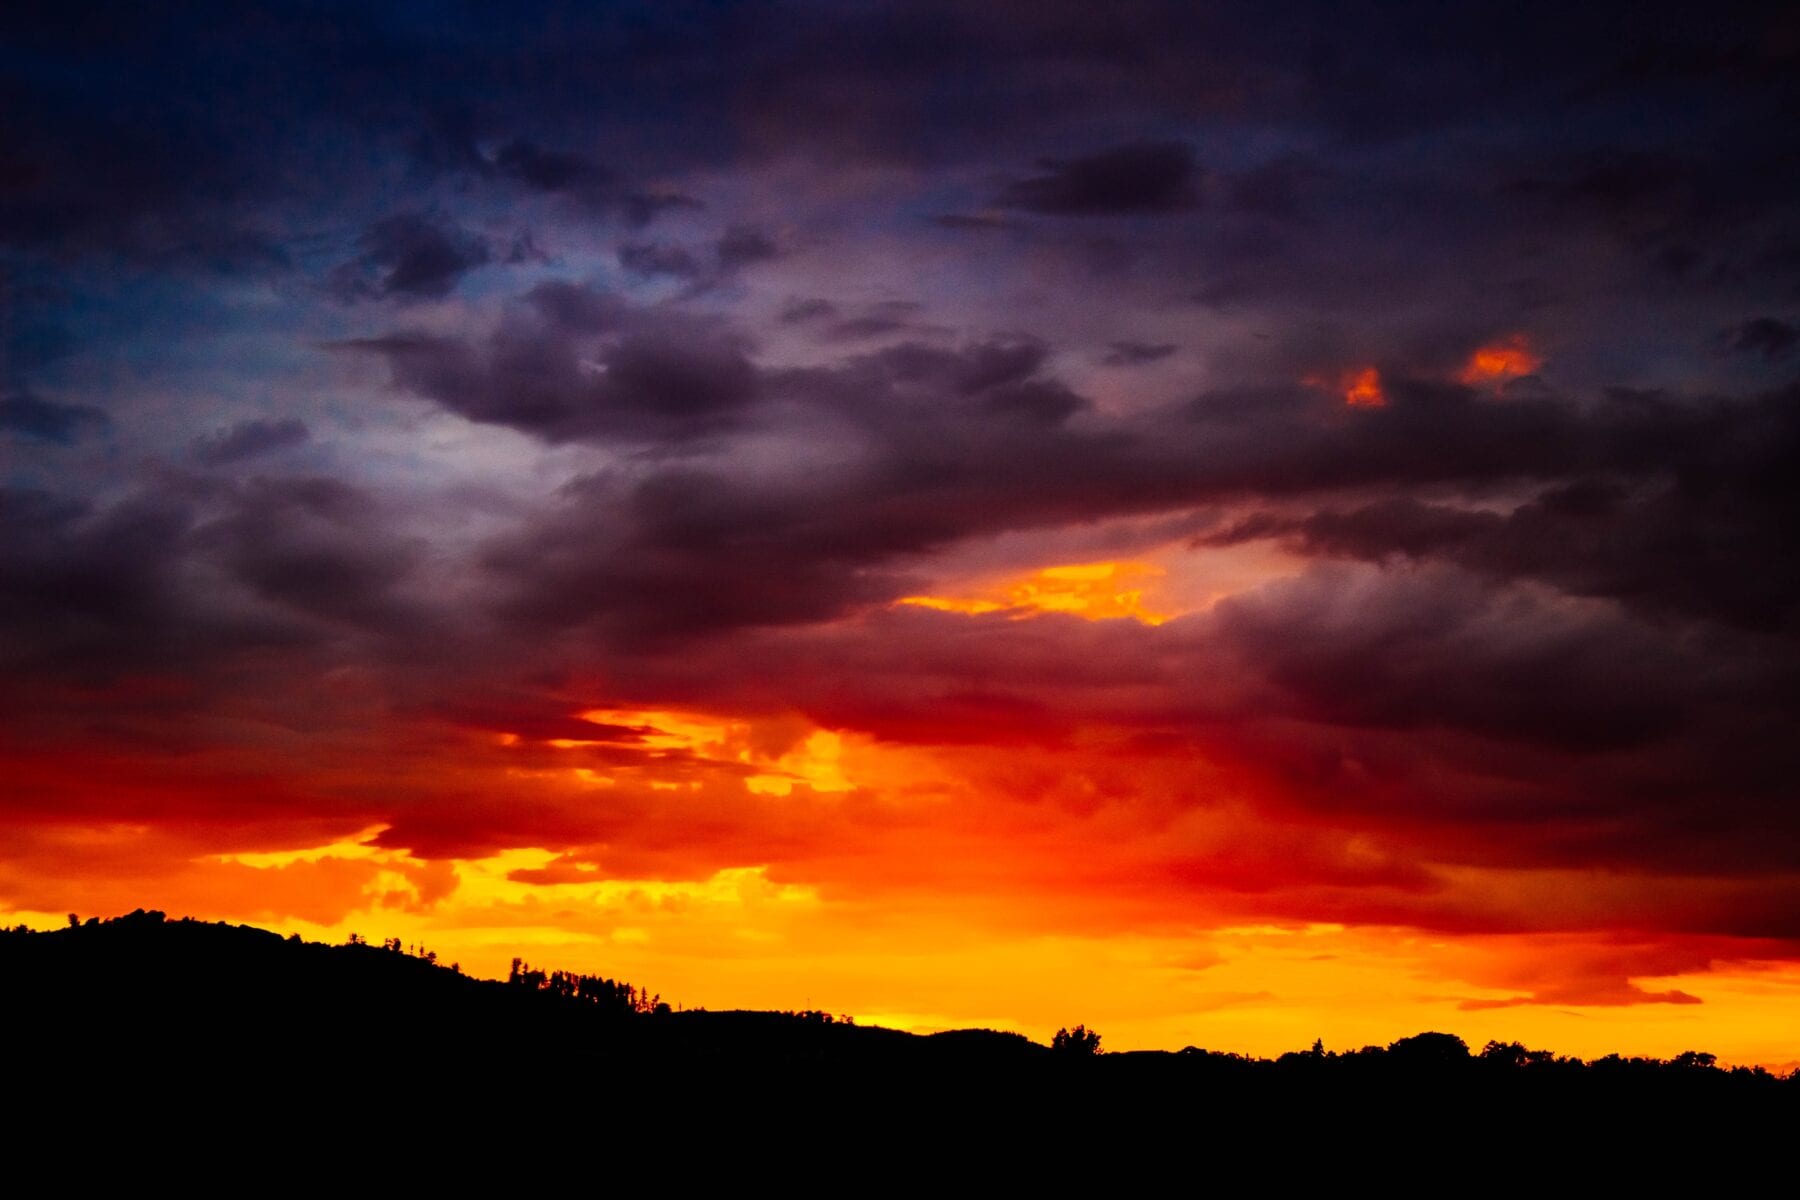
[1077,1041]
[1430,1048]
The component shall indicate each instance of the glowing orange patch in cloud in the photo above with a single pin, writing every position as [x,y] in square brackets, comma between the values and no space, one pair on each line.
[1100,591]
[1362,389]
[1503,360]
[782,755]
[1360,386]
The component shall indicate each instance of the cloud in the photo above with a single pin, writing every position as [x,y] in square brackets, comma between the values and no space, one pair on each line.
[194,576]
[1514,659]
[1611,996]
[813,309]
[582,180]
[738,247]
[88,590]
[1474,660]
[550,373]
[249,439]
[311,545]
[409,256]
[879,320]
[549,170]
[1140,177]
[656,258]
[49,421]
[742,245]
[1133,354]
[1775,340]
[1697,530]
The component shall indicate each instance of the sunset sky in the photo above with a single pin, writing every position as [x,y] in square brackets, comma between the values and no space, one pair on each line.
[1227,523]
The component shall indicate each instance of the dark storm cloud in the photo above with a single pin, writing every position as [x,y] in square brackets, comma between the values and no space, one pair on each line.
[587,105]
[112,151]
[742,245]
[314,546]
[544,372]
[1132,354]
[878,320]
[1501,727]
[1473,661]
[549,170]
[49,421]
[1672,509]
[85,591]
[249,439]
[1615,743]
[409,256]
[1544,624]
[939,443]
[193,575]
[1143,177]
[587,183]
[1773,339]
[1664,508]
[1663,504]
[739,247]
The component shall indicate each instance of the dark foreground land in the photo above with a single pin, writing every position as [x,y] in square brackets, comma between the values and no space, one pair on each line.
[141,1019]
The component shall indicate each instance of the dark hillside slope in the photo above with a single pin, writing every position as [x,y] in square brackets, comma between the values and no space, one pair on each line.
[142,1009]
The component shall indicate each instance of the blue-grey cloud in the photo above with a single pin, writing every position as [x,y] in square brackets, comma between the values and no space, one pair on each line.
[48,420]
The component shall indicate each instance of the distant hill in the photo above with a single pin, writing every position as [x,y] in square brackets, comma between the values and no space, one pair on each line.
[125,1006]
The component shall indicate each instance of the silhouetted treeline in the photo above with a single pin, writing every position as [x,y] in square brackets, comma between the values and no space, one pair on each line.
[140,1000]
[606,995]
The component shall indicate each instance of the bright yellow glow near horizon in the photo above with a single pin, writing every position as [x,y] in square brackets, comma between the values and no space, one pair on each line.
[1097,591]
[741,940]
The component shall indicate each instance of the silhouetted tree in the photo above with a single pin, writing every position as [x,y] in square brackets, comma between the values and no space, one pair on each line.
[1080,1041]
[1430,1049]
[1511,1054]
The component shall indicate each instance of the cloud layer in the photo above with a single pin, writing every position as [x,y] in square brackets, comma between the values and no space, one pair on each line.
[1126,475]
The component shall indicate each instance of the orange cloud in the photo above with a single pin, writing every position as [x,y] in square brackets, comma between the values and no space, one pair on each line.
[1500,361]
[1362,389]
[1099,591]
[1359,386]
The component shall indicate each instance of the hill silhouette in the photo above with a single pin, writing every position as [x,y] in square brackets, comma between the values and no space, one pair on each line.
[125,1006]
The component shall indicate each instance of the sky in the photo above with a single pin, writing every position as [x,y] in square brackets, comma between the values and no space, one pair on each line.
[1226,523]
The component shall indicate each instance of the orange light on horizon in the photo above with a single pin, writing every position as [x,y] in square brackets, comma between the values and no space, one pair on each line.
[1092,591]
[1500,361]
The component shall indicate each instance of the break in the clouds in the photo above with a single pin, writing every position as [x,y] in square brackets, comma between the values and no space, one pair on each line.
[709,483]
